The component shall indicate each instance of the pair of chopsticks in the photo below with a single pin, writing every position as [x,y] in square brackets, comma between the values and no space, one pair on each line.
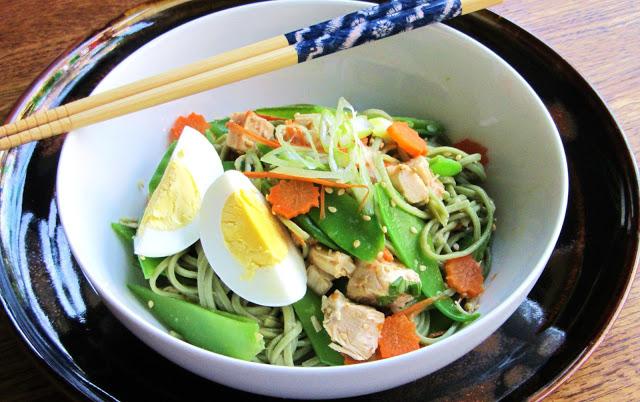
[354,29]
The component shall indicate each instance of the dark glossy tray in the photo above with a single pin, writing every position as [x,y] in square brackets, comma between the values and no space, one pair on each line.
[91,354]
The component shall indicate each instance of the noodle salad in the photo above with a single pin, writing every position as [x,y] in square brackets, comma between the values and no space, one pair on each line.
[306,235]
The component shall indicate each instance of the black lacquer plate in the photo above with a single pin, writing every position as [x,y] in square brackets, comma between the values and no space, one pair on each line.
[77,340]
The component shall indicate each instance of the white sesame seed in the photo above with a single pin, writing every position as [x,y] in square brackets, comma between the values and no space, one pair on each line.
[455,246]
[393,203]
[458,157]
[423,267]
[142,257]
[380,255]
[413,230]
[356,243]
[494,227]
[366,218]
[384,229]
[150,303]
[328,190]
[333,210]
[341,191]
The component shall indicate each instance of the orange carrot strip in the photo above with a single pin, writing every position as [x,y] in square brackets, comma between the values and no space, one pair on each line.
[398,336]
[232,125]
[418,307]
[407,139]
[321,202]
[324,182]
[293,198]
[464,275]
[350,360]
[193,120]
[386,255]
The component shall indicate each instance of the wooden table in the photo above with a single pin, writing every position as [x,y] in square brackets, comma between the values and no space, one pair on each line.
[601,38]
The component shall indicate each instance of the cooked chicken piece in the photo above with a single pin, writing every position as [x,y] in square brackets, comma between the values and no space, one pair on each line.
[354,329]
[252,122]
[408,183]
[400,303]
[382,283]
[318,280]
[306,120]
[421,167]
[334,263]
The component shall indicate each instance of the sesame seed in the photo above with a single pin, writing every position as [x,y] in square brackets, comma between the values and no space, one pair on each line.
[366,218]
[494,227]
[458,157]
[150,303]
[423,268]
[142,257]
[341,191]
[380,255]
[393,203]
[333,210]
[356,243]
[384,229]
[455,246]
[413,230]
[328,190]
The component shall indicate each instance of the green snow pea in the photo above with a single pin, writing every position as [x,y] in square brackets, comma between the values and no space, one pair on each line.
[424,127]
[347,227]
[305,308]
[147,264]
[228,165]
[218,127]
[444,166]
[288,112]
[219,332]
[308,226]
[162,166]
[403,229]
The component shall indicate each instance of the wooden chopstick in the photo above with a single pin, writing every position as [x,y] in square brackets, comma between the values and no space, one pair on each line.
[208,64]
[393,21]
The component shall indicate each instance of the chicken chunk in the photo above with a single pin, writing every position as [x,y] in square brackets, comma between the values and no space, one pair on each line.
[383,283]
[354,329]
[318,280]
[334,263]
[252,122]
[421,167]
[408,183]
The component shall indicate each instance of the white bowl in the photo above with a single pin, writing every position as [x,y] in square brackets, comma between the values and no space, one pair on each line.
[432,72]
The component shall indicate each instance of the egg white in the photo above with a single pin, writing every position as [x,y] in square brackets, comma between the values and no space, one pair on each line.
[203,163]
[280,285]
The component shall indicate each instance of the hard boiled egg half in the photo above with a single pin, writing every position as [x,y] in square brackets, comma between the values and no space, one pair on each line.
[247,246]
[171,219]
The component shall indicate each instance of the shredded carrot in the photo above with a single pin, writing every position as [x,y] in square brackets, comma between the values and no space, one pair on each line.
[386,255]
[194,120]
[324,182]
[292,198]
[267,117]
[321,202]
[232,125]
[472,147]
[350,360]
[464,275]
[418,307]
[407,138]
[295,135]
[398,336]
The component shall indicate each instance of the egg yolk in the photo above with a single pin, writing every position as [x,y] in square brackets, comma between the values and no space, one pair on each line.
[175,202]
[251,233]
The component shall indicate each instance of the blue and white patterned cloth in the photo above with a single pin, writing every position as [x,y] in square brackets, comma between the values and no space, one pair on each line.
[368,25]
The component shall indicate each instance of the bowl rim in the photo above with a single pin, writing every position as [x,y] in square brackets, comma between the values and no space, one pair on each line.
[508,303]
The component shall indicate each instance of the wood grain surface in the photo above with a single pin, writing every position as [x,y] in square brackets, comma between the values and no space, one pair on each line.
[601,38]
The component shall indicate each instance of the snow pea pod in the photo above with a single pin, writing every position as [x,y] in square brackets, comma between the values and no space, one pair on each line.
[147,264]
[219,332]
[306,308]
[308,226]
[162,166]
[403,230]
[218,127]
[424,127]
[345,224]
[288,112]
